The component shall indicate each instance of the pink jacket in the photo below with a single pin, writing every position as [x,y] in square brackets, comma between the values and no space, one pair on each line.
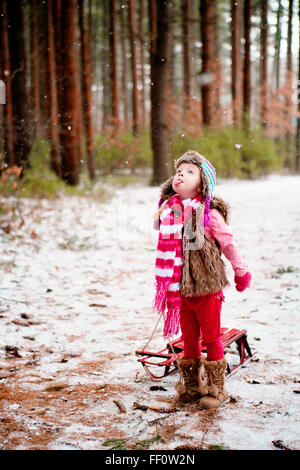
[219,230]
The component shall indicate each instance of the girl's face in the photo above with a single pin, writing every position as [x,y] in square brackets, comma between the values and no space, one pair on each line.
[187,180]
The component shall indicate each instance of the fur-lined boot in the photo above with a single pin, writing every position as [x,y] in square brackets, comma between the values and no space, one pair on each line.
[193,388]
[217,393]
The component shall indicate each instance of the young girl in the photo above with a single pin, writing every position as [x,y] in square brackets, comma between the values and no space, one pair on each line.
[190,274]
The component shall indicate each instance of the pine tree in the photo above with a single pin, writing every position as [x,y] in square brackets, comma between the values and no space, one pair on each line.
[159,59]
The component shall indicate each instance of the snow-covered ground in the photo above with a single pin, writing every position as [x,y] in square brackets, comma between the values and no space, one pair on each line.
[76,292]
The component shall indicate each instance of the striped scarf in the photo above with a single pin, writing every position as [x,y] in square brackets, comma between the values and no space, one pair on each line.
[169,260]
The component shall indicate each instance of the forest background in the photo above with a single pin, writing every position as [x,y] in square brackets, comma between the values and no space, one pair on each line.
[115,90]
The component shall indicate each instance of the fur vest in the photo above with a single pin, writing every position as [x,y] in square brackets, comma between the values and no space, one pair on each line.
[203,270]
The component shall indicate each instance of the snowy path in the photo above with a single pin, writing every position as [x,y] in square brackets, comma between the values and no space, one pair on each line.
[76,292]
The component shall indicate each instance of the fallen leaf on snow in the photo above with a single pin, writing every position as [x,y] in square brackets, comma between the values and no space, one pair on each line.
[120,405]
[56,387]
[12,351]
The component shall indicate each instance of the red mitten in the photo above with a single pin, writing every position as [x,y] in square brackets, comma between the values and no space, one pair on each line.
[242,282]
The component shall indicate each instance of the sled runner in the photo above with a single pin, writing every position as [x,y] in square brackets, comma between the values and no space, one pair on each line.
[167,357]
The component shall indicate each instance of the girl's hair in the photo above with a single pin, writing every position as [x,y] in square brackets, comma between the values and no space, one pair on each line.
[162,204]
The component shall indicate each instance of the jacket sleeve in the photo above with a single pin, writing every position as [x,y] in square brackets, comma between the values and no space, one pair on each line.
[221,232]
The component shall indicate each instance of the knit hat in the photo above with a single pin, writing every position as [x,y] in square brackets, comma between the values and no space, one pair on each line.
[208,177]
[208,173]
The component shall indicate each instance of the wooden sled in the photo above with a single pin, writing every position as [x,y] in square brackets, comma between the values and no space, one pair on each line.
[167,357]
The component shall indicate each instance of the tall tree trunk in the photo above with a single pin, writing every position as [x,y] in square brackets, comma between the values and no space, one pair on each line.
[277,60]
[210,60]
[70,110]
[107,90]
[186,53]
[142,61]
[170,96]
[236,67]
[9,154]
[172,54]
[289,38]
[289,73]
[264,63]
[247,64]
[51,88]
[159,60]
[87,90]
[57,21]
[90,29]
[133,38]
[298,119]
[42,46]
[124,78]
[194,38]
[35,68]
[20,97]
[277,46]
[114,83]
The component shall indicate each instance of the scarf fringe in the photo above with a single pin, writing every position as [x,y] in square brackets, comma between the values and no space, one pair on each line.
[171,324]
[160,301]
[171,313]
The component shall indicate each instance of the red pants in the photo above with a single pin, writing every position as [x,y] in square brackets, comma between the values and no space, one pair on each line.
[202,313]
